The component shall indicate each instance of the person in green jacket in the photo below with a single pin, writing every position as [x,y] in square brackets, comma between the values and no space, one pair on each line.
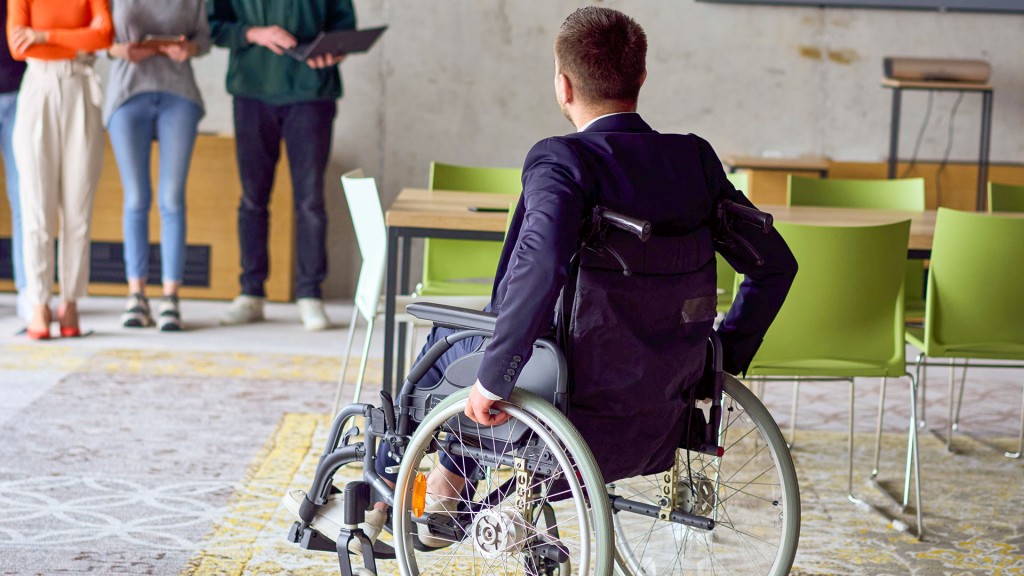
[278,97]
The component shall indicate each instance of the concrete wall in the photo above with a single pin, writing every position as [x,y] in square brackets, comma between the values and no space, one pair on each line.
[470,81]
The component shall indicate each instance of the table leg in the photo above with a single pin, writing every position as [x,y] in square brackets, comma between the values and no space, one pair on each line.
[404,283]
[390,293]
[983,153]
[894,131]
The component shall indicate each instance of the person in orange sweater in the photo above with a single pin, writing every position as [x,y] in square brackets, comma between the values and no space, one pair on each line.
[58,145]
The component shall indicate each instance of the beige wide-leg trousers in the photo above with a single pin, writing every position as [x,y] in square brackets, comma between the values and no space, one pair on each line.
[58,148]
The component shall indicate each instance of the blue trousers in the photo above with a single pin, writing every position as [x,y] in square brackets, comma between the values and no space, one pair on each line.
[306,128]
[8,106]
[172,121]
[458,464]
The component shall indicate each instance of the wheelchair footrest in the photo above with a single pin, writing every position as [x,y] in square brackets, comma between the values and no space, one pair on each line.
[310,539]
[442,526]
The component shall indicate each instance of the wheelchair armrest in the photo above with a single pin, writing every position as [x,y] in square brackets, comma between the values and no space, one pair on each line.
[452,316]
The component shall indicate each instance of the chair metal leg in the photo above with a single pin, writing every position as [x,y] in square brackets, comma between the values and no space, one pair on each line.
[921,374]
[849,451]
[363,361]
[344,359]
[1020,440]
[912,467]
[913,443]
[792,415]
[949,416]
[960,397]
[878,428]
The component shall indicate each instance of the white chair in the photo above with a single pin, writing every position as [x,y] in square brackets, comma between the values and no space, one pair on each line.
[371,235]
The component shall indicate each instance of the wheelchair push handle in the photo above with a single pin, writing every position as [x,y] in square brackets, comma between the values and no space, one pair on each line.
[640,228]
[748,215]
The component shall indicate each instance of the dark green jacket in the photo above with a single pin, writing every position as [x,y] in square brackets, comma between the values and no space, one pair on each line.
[256,72]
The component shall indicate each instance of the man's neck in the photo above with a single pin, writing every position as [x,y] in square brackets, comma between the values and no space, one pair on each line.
[588,115]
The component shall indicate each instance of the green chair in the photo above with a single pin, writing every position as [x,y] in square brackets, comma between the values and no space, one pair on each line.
[904,194]
[974,305]
[1005,197]
[726,274]
[843,319]
[464,267]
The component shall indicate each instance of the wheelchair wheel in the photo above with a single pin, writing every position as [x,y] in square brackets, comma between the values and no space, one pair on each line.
[750,492]
[539,506]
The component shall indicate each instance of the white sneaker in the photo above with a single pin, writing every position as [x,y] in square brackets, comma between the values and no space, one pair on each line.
[330,518]
[243,310]
[136,312]
[311,311]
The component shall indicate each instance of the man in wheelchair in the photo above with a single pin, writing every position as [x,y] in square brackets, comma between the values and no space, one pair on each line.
[632,310]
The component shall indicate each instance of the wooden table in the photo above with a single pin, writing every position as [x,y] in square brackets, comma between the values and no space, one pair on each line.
[922,224]
[817,164]
[418,213]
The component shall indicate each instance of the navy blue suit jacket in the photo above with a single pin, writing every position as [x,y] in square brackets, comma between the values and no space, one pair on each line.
[672,180]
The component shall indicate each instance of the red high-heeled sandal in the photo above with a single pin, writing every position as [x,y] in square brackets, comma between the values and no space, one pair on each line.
[43,334]
[68,331]
[39,335]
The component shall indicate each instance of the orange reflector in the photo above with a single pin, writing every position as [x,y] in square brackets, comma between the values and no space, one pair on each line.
[419,494]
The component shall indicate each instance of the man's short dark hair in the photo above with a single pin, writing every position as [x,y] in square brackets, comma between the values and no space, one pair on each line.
[603,52]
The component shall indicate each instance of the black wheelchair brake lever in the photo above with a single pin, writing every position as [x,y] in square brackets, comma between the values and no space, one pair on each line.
[388,407]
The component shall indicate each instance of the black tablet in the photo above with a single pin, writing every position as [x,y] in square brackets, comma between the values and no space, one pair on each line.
[337,42]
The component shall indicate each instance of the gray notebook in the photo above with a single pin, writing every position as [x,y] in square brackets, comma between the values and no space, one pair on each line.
[337,42]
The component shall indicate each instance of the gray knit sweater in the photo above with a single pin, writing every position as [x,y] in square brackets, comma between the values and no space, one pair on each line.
[133,20]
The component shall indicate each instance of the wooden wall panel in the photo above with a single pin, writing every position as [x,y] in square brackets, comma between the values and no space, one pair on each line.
[212,199]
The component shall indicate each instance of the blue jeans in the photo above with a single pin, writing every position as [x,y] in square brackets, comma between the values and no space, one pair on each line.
[172,121]
[8,105]
[306,128]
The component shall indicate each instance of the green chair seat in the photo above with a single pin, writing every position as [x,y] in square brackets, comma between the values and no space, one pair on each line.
[832,367]
[989,350]
[467,287]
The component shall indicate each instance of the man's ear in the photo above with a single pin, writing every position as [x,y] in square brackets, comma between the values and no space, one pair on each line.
[564,88]
[643,78]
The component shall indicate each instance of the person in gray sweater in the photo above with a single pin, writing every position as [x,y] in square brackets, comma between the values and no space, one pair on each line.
[152,95]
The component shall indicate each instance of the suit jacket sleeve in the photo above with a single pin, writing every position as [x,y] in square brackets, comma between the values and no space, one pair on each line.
[539,264]
[764,288]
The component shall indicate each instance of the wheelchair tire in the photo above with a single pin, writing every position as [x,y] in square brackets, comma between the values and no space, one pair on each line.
[515,534]
[751,492]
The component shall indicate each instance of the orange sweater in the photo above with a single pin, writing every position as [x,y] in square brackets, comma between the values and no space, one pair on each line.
[73,25]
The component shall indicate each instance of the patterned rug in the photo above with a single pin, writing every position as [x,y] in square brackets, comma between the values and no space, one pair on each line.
[148,462]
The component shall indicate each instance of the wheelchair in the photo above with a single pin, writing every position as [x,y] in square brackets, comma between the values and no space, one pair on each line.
[536,502]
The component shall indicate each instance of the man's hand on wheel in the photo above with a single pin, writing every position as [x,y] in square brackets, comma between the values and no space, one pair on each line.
[478,409]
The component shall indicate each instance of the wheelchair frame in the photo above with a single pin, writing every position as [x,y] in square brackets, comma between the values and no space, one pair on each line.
[409,442]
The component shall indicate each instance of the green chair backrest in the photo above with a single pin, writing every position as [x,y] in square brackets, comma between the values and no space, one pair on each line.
[976,287]
[454,260]
[904,194]
[844,313]
[1005,197]
[726,274]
